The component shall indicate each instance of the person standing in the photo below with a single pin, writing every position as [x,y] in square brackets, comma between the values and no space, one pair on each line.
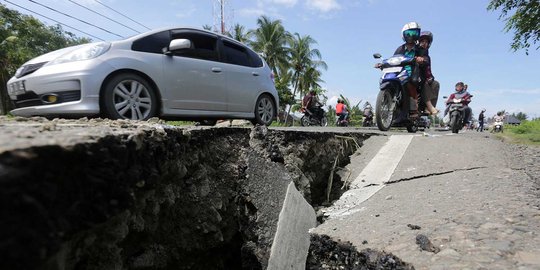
[481,121]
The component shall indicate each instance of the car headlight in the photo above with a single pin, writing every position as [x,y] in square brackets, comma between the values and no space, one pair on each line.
[87,52]
[18,72]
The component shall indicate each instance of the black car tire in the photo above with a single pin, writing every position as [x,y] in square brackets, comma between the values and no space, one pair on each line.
[265,110]
[129,96]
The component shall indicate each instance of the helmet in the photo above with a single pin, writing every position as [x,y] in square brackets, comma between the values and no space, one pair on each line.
[460,83]
[410,32]
[426,35]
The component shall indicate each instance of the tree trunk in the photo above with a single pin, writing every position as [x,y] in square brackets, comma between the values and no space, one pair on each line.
[290,106]
[5,102]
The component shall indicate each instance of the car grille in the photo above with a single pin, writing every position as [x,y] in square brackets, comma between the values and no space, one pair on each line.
[31,68]
[32,99]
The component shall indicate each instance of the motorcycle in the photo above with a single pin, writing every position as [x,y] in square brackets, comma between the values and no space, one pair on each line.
[368,120]
[456,113]
[342,122]
[311,119]
[498,126]
[390,98]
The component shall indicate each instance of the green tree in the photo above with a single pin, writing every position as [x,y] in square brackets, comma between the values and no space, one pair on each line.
[22,38]
[240,33]
[207,27]
[520,115]
[304,61]
[270,40]
[521,16]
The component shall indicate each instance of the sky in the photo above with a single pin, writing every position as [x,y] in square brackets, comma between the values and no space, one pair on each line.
[470,43]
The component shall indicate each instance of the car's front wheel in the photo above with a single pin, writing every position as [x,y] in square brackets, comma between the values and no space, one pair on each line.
[265,110]
[129,96]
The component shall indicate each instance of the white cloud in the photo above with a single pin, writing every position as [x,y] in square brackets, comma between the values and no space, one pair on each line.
[186,13]
[287,3]
[324,6]
[251,12]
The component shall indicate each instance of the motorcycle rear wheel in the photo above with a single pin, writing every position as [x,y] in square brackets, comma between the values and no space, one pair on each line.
[324,122]
[383,111]
[412,128]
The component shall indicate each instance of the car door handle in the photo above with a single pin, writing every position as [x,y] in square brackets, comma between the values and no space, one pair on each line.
[255,74]
[216,70]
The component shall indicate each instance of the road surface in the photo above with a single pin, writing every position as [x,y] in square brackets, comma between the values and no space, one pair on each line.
[473,196]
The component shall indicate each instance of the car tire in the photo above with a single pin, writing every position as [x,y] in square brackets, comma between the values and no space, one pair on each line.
[265,110]
[129,96]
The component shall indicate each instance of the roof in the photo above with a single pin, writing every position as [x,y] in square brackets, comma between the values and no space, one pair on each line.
[510,119]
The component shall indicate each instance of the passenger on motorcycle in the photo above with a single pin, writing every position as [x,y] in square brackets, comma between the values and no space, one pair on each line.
[341,110]
[311,103]
[462,94]
[410,34]
[430,87]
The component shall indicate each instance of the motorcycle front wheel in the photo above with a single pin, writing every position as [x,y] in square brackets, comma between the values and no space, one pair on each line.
[454,123]
[384,111]
[304,121]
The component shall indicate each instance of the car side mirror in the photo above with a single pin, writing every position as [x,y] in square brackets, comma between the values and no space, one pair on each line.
[178,44]
[377,55]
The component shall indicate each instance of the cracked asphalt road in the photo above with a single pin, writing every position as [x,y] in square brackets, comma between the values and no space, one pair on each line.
[475,198]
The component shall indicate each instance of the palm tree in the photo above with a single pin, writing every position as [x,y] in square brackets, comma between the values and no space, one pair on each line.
[207,27]
[239,33]
[270,39]
[305,62]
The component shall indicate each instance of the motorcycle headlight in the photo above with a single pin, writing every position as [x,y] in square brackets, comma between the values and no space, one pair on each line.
[87,52]
[394,61]
[457,100]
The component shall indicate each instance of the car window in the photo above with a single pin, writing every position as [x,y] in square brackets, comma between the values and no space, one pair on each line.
[235,54]
[153,43]
[256,60]
[204,46]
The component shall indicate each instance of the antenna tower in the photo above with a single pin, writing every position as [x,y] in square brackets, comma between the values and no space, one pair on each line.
[221,12]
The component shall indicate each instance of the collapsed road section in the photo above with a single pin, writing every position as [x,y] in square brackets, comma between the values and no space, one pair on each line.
[100,194]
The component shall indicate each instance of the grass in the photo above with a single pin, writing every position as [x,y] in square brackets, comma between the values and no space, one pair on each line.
[526,133]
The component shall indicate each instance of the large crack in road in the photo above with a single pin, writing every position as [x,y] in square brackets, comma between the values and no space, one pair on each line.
[99,194]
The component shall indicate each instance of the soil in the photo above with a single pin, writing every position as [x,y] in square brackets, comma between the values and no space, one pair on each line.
[102,194]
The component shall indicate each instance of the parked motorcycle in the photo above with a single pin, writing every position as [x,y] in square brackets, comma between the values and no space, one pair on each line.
[313,119]
[390,98]
[456,113]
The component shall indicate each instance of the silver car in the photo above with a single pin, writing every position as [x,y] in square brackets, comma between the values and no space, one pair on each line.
[173,73]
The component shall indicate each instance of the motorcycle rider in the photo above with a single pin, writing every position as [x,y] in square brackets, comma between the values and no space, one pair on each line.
[465,97]
[341,110]
[430,87]
[311,103]
[410,34]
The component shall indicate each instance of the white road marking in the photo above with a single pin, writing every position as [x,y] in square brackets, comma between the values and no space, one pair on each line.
[373,177]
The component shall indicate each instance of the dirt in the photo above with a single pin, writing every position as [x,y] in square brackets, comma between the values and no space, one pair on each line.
[325,253]
[101,194]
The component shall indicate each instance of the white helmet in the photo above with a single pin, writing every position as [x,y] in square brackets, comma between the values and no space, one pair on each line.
[410,32]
